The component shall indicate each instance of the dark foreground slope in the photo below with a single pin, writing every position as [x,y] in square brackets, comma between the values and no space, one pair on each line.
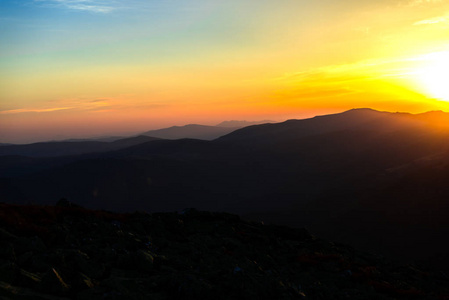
[67,252]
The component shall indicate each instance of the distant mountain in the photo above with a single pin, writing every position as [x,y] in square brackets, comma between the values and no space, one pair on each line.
[192,131]
[373,179]
[65,148]
[240,124]
[296,129]
[97,139]
[202,132]
[363,119]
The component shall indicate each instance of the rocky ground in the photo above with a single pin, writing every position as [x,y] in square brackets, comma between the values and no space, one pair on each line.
[67,252]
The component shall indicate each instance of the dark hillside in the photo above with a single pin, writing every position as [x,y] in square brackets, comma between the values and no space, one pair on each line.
[68,252]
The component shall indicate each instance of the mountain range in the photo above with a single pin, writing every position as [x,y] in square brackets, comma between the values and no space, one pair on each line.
[105,144]
[202,132]
[376,180]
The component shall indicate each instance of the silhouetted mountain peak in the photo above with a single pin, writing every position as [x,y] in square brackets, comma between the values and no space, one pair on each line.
[298,128]
[434,112]
[362,109]
[360,112]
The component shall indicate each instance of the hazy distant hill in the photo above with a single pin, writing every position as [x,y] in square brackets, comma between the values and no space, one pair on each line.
[191,131]
[202,132]
[64,148]
[369,178]
[98,139]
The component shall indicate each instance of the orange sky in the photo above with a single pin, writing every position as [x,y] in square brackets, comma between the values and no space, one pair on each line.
[94,68]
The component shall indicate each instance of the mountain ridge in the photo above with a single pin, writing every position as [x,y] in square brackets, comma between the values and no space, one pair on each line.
[336,175]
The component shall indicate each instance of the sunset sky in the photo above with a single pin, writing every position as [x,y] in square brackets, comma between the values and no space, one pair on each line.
[83,68]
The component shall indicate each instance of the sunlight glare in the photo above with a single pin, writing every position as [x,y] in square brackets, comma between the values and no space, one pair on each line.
[434,76]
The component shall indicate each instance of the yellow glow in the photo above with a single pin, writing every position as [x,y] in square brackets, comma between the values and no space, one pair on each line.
[434,76]
[278,65]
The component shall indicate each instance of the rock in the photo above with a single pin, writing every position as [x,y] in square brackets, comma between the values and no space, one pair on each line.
[14,292]
[29,279]
[80,261]
[42,262]
[63,202]
[127,288]
[9,271]
[26,244]
[53,282]
[144,261]
[25,259]
[7,251]
[6,236]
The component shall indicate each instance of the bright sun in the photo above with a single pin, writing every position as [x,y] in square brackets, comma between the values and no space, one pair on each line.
[434,76]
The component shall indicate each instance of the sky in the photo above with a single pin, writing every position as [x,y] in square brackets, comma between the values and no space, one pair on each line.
[85,68]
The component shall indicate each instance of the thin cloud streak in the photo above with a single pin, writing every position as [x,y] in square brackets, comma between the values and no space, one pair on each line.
[431,21]
[423,2]
[92,8]
[33,110]
[81,5]
[87,105]
[66,104]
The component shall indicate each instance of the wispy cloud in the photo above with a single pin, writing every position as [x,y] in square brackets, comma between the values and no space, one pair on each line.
[32,110]
[362,70]
[63,104]
[436,20]
[85,104]
[423,2]
[314,93]
[97,6]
